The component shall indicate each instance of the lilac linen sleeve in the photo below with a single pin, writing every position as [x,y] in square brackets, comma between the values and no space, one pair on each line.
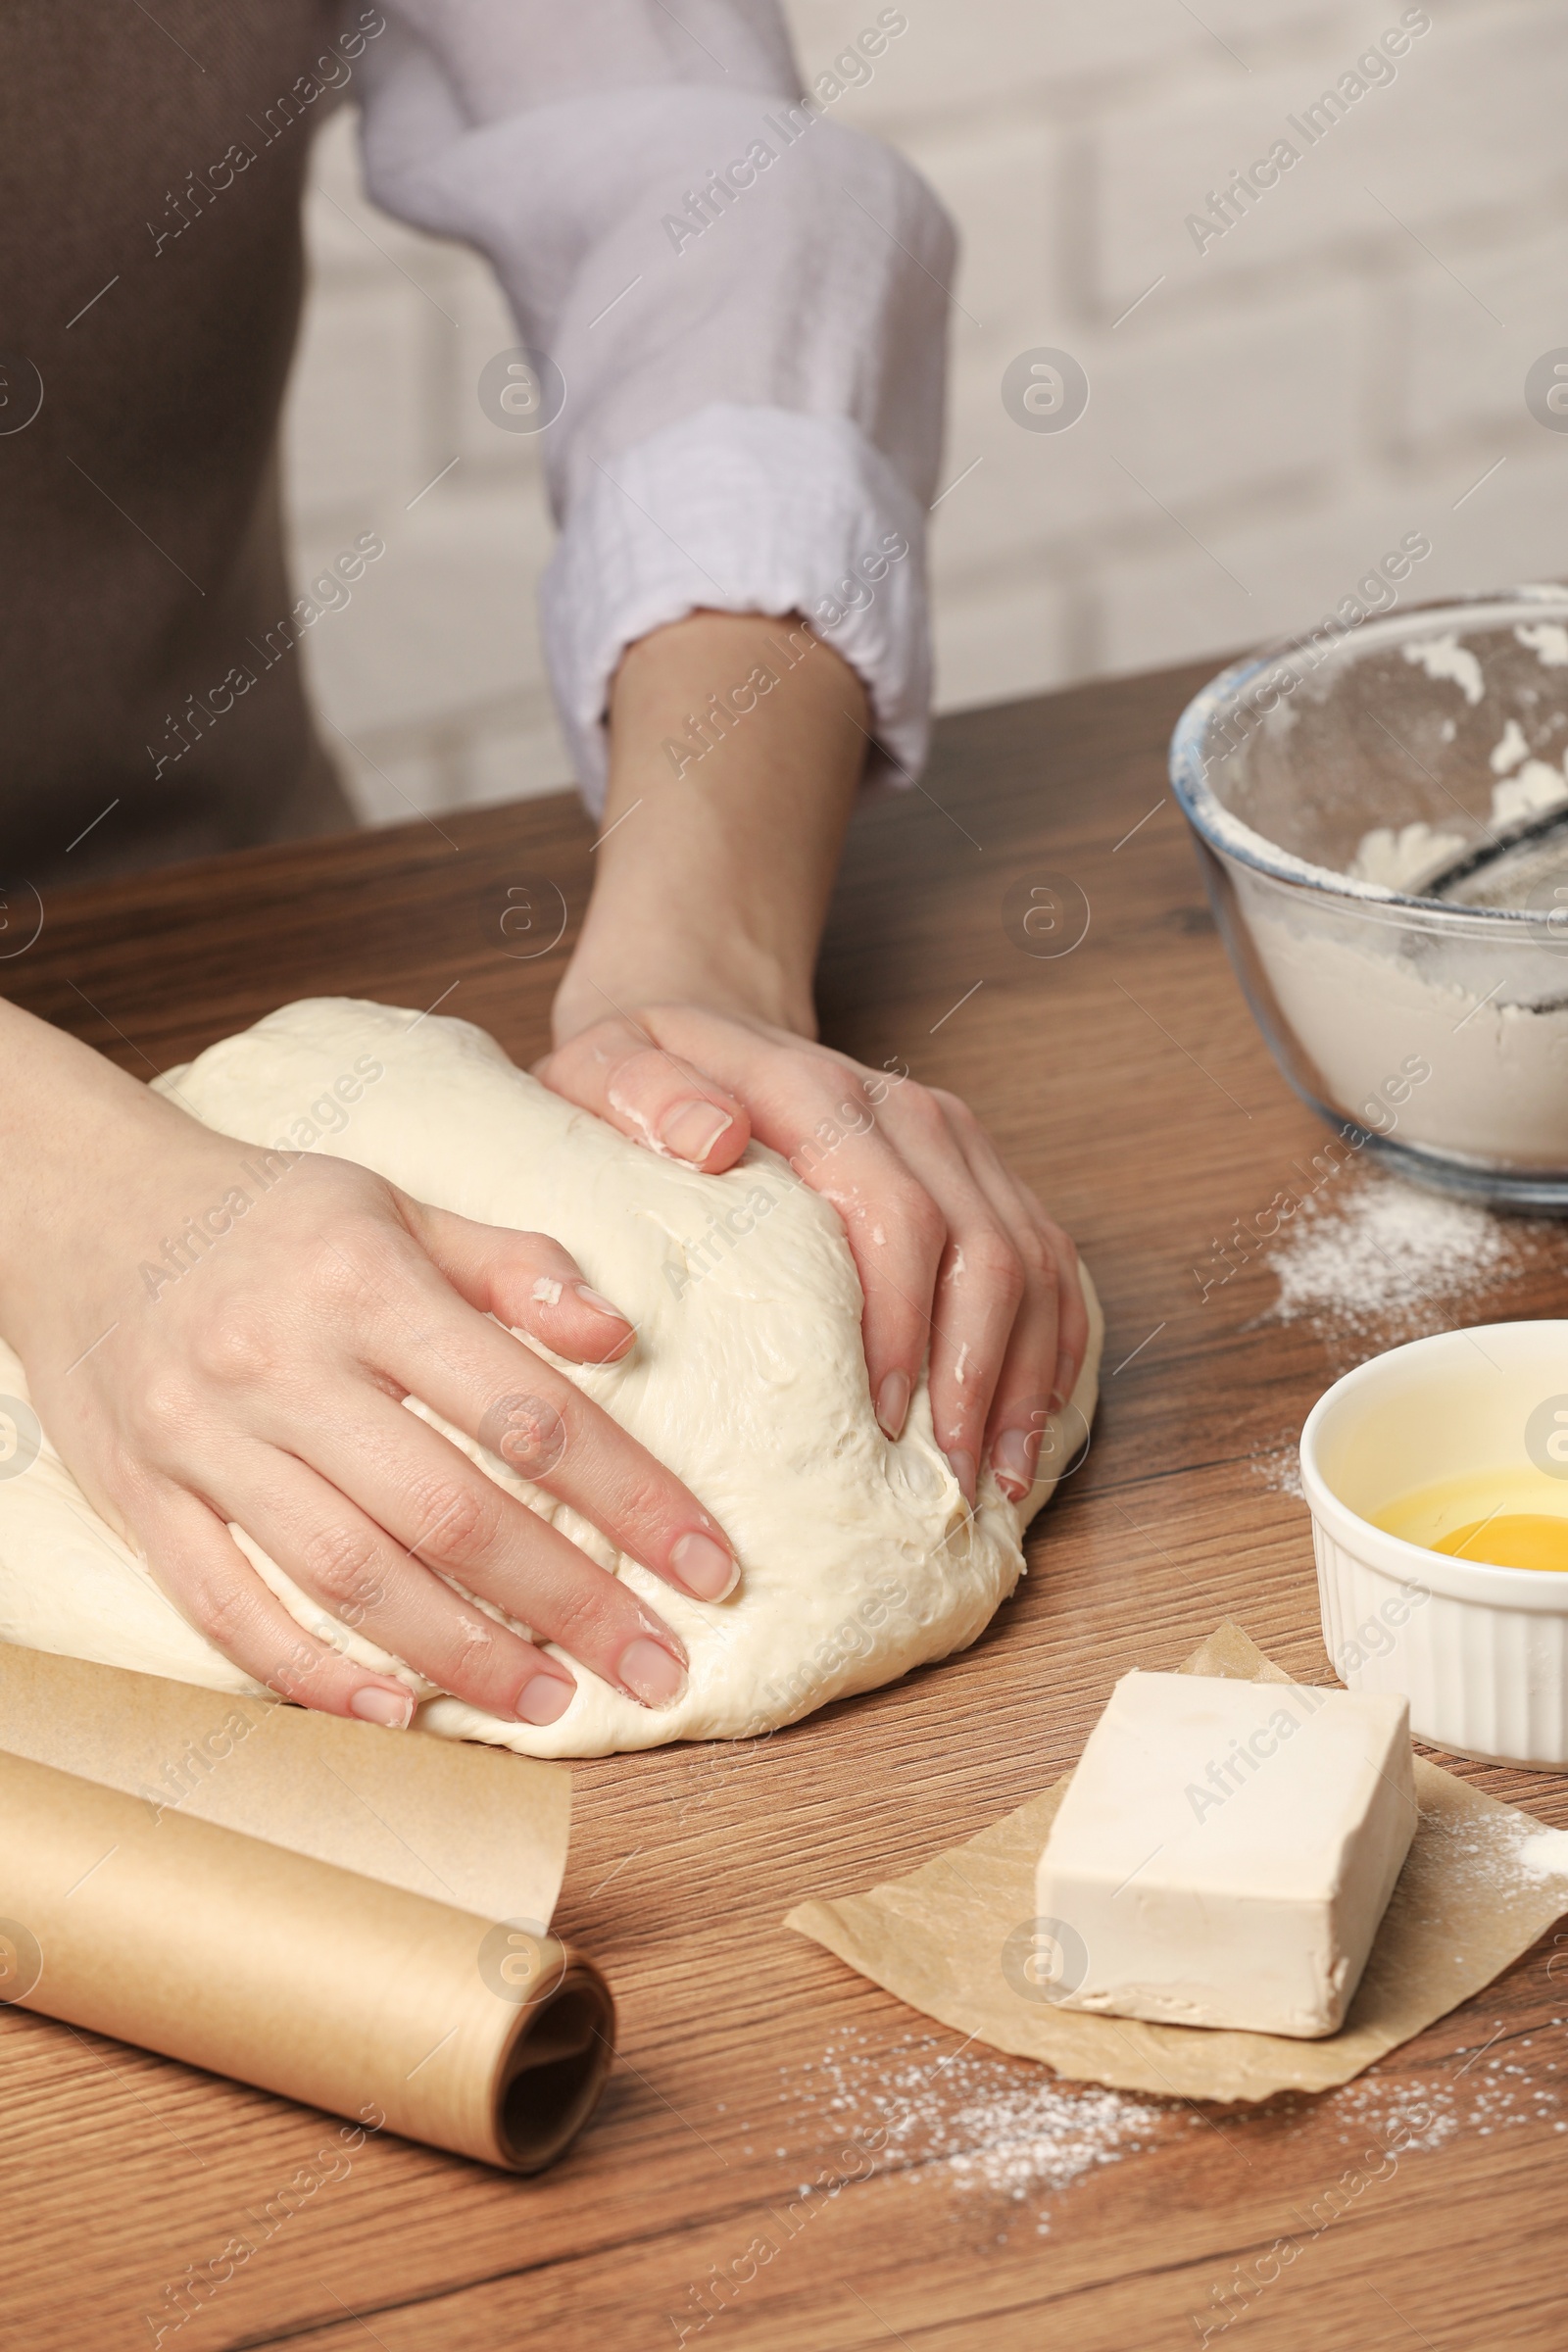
[744,300]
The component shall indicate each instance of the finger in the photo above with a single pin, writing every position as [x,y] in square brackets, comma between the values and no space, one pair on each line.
[983,1289]
[982,1286]
[811,1108]
[442,1513]
[196,1561]
[1021,1208]
[897,1236]
[1051,1332]
[1023,1409]
[526,1280]
[421,1340]
[1072,1337]
[1022,1403]
[332,1550]
[620,1071]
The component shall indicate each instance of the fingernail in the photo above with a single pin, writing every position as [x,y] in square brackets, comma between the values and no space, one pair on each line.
[893,1403]
[597,1302]
[704,1567]
[649,1673]
[543,1698]
[375,1703]
[1012,1458]
[691,1130]
[962,1465]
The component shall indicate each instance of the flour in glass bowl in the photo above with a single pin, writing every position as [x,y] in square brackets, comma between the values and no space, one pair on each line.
[1414,855]
[1463,1024]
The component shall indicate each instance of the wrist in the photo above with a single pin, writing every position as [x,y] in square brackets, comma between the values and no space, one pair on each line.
[617,966]
[92,1164]
[736,742]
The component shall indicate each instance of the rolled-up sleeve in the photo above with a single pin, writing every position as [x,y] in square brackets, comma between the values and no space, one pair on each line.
[745,301]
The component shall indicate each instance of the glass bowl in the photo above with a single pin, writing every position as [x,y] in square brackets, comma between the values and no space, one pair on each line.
[1334,784]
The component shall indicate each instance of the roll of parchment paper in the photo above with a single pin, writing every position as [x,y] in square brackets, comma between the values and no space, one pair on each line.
[360,1922]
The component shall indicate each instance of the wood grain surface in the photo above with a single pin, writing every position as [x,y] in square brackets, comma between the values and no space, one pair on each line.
[1000,2208]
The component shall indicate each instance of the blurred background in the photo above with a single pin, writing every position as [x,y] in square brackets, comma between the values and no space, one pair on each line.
[1344,365]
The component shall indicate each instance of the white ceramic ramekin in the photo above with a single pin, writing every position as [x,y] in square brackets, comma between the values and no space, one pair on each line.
[1480,1652]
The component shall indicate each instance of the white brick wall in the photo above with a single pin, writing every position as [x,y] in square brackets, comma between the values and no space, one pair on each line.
[1339,367]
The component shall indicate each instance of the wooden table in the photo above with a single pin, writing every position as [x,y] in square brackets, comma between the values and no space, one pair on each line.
[1127,1081]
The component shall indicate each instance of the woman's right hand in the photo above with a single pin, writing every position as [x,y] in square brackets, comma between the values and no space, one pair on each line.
[264,1387]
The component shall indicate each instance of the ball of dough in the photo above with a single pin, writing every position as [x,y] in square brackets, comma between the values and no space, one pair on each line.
[860,1558]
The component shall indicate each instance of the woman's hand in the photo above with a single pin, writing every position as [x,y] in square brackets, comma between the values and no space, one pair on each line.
[264,1387]
[685,1018]
[953,1250]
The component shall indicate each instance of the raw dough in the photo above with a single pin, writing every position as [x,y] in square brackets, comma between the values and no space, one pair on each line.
[860,1559]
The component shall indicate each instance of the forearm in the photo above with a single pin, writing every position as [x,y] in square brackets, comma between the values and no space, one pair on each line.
[736,746]
[74,1132]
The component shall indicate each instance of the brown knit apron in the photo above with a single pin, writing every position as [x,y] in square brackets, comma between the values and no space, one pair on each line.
[151,168]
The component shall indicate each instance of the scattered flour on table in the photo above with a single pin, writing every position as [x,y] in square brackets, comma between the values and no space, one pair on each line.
[1279,1466]
[1371,2109]
[1487,2092]
[997,2133]
[1382,1261]
[972,2120]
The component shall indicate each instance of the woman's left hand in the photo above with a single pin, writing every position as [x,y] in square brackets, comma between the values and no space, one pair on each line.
[954,1253]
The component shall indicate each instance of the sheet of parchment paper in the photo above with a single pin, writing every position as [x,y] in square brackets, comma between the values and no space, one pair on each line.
[355,1918]
[476,1826]
[1464,1909]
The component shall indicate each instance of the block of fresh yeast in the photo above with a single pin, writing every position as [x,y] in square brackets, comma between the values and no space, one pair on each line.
[1225,1850]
